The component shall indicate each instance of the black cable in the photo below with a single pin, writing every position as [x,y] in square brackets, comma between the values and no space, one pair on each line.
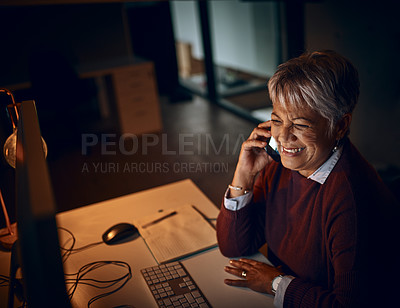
[71,250]
[84,271]
[88,268]
[100,284]
[4,281]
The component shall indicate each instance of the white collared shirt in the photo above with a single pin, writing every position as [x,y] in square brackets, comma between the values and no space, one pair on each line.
[320,175]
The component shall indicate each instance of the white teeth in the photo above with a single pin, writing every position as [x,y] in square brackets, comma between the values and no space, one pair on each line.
[293,150]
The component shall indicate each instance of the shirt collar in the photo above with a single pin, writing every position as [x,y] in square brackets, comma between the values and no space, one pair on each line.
[321,174]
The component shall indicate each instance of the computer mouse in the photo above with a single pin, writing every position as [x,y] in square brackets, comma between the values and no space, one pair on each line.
[120,233]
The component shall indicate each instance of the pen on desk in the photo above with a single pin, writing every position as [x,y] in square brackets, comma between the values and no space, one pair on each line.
[204,216]
[159,219]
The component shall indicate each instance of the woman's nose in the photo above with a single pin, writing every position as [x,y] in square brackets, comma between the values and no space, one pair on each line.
[285,134]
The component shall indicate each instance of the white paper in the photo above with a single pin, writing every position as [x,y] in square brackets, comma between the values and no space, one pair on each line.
[176,236]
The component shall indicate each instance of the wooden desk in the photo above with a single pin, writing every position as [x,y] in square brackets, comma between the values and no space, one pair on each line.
[207,268]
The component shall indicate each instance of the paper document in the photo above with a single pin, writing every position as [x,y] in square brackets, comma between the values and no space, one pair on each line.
[176,233]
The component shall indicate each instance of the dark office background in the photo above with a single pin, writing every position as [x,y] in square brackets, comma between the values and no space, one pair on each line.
[367,32]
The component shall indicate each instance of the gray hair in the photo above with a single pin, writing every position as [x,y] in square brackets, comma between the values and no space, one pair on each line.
[324,80]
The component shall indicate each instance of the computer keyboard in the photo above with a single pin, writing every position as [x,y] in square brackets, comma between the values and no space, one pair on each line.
[172,286]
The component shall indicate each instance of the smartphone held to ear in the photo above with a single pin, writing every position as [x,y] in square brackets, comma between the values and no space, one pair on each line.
[272,150]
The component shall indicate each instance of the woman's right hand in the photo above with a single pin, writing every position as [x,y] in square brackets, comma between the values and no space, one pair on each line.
[253,158]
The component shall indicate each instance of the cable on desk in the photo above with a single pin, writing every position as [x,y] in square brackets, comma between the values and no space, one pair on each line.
[88,268]
[100,284]
[68,251]
[4,281]
[84,271]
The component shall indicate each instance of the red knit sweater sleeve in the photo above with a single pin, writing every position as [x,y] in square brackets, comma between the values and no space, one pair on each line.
[242,232]
[301,293]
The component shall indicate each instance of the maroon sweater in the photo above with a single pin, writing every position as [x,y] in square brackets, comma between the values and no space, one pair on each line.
[321,234]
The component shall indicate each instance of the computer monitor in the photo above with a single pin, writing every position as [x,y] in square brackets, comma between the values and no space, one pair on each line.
[38,245]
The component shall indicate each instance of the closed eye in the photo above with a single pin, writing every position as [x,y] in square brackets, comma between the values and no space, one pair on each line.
[276,122]
[301,126]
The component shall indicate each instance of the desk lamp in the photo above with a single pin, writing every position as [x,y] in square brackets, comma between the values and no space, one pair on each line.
[8,235]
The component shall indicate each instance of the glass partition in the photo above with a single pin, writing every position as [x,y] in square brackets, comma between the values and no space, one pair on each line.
[189,46]
[246,49]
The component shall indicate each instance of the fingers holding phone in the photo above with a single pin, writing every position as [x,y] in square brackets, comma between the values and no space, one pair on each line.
[253,156]
[270,147]
[262,132]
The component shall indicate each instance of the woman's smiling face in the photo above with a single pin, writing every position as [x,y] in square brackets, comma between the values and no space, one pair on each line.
[303,138]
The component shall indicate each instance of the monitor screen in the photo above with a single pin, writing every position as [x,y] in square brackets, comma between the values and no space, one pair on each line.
[38,244]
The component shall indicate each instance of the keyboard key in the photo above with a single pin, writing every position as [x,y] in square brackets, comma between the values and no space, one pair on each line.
[189,298]
[172,286]
[172,264]
[167,302]
[174,298]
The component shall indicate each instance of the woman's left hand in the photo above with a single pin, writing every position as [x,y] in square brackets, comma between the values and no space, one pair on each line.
[255,275]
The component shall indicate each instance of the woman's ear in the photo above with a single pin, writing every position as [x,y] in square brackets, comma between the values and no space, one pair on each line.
[343,126]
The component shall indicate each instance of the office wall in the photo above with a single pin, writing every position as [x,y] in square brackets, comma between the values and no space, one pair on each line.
[368,34]
[244,35]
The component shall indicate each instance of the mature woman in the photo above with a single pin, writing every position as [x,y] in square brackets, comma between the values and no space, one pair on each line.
[319,209]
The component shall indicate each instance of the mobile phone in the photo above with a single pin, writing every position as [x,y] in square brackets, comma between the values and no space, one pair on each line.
[272,150]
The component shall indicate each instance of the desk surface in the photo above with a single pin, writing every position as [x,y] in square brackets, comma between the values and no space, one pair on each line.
[89,222]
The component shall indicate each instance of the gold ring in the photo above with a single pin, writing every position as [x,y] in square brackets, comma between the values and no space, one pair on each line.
[244,274]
